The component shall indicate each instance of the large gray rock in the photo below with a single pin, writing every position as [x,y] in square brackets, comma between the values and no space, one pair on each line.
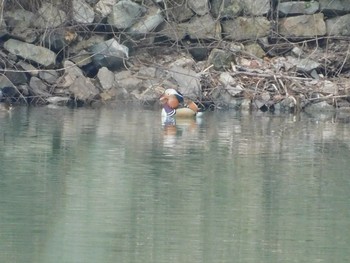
[109,54]
[173,31]
[38,88]
[245,28]
[187,80]
[71,72]
[83,89]
[200,7]
[147,23]
[104,7]
[82,12]
[255,8]
[204,27]
[49,16]
[125,14]
[220,59]
[298,8]
[302,26]
[303,64]
[233,8]
[338,26]
[178,13]
[106,78]
[19,25]
[334,6]
[40,55]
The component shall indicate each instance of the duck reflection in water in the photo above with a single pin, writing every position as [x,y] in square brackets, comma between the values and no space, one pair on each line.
[5,106]
[177,131]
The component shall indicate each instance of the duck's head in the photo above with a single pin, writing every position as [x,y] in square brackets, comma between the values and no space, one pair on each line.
[170,95]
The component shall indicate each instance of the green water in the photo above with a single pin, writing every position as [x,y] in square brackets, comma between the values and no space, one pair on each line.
[114,185]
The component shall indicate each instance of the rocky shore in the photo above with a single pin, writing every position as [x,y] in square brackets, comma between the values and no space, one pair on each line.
[263,55]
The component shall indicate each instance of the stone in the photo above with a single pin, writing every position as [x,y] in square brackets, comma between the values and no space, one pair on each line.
[318,107]
[17,77]
[37,54]
[328,87]
[338,26]
[187,80]
[303,64]
[255,50]
[302,26]
[83,89]
[49,16]
[71,72]
[334,7]
[147,23]
[106,78]
[19,24]
[245,28]
[204,27]
[255,8]
[38,87]
[298,8]
[220,59]
[173,31]
[49,77]
[104,7]
[109,54]
[226,8]
[82,12]
[234,8]
[179,13]
[200,7]
[125,14]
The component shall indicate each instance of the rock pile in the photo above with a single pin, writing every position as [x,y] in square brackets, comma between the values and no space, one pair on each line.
[265,54]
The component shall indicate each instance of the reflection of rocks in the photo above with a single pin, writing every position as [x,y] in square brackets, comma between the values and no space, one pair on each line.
[226,54]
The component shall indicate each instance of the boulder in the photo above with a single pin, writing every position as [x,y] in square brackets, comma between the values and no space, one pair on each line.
[204,27]
[109,54]
[303,64]
[83,89]
[147,23]
[37,54]
[48,16]
[17,77]
[318,107]
[200,7]
[298,8]
[82,12]
[104,7]
[19,25]
[220,59]
[234,8]
[334,7]
[338,26]
[302,26]
[255,8]
[38,88]
[226,8]
[187,80]
[49,77]
[179,13]
[71,72]
[125,14]
[246,28]
[173,31]
[106,78]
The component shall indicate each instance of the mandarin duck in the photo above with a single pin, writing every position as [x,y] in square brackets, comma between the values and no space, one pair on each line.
[176,105]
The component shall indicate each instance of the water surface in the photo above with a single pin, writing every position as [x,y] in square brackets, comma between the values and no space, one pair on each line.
[113,185]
